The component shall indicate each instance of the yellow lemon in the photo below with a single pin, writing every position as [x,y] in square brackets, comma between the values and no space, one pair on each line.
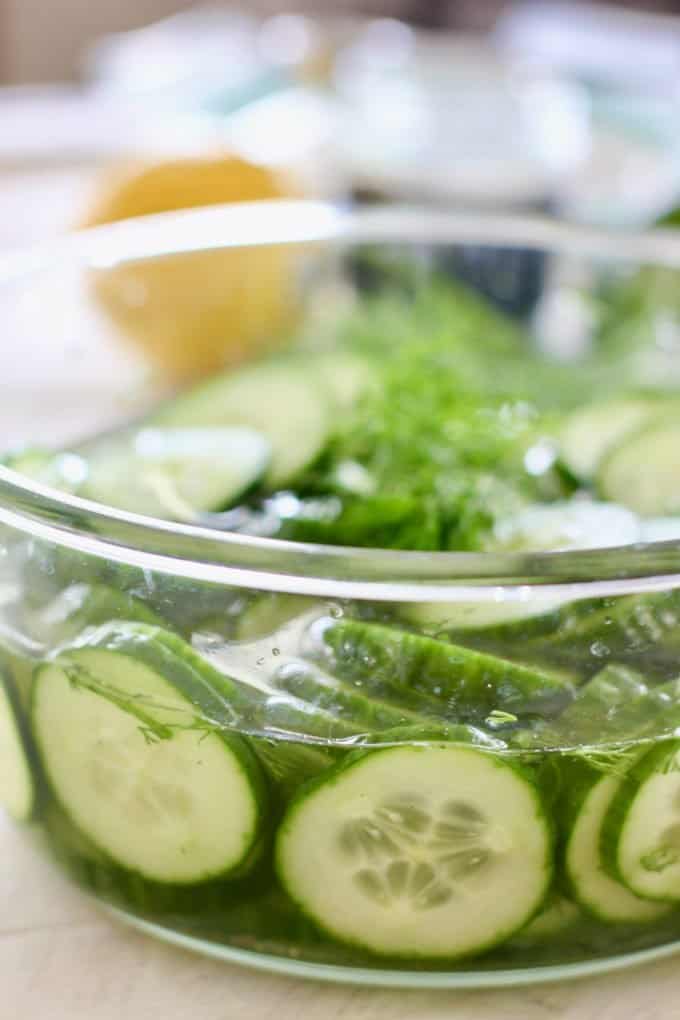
[193,314]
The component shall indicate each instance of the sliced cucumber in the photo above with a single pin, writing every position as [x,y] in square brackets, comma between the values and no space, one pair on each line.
[469,683]
[432,851]
[341,700]
[346,375]
[641,833]
[639,629]
[589,799]
[18,793]
[598,712]
[643,471]
[479,616]
[577,524]
[134,762]
[80,606]
[174,472]
[660,529]
[592,431]
[267,613]
[282,399]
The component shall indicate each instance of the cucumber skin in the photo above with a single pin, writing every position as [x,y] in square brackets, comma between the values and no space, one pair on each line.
[140,648]
[470,684]
[577,778]
[638,630]
[28,744]
[354,758]
[646,766]
[285,762]
[338,698]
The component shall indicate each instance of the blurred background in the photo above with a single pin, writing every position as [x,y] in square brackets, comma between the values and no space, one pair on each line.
[570,108]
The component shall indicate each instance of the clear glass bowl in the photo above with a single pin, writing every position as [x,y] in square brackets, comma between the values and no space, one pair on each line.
[350,893]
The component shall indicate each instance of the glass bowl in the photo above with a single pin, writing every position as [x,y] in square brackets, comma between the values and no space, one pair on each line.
[306,758]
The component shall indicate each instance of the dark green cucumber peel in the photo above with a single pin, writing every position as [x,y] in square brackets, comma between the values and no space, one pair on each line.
[471,684]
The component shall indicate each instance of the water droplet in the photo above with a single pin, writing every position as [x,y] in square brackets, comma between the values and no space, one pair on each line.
[599,649]
[335,612]
[276,651]
[260,661]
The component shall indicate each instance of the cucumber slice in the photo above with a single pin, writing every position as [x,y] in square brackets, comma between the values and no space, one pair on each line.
[599,711]
[578,524]
[660,529]
[129,757]
[268,613]
[18,792]
[80,606]
[590,797]
[174,472]
[341,700]
[592,431]
[433,851]
[642,471]
[636,629]
[478,616]
[641,833]
[346,375]
[469,683]
[282,399]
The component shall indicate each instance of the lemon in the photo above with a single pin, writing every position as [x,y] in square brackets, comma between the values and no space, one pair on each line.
[194,314]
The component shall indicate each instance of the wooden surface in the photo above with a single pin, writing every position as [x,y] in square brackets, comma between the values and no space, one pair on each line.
[61,958]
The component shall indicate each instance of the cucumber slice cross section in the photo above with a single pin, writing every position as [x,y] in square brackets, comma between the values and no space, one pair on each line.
[641,834]
[642,472]
[590,798]
[157,793]
[175,472]
[432,851]
[281,399]
[592,431]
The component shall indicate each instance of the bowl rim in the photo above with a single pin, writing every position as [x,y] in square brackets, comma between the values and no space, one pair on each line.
[305,568]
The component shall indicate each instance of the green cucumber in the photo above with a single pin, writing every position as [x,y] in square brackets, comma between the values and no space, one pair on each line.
[341,700]
[641,833]
[641,630]
[18,789]
[174,472]
[471,684]
[84,605]
[589,797]
[268,612]
[642,471]
[122,735]
[593,430]
[283,399]
[484,618]
[432,852]
[573,524]
[600,710]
